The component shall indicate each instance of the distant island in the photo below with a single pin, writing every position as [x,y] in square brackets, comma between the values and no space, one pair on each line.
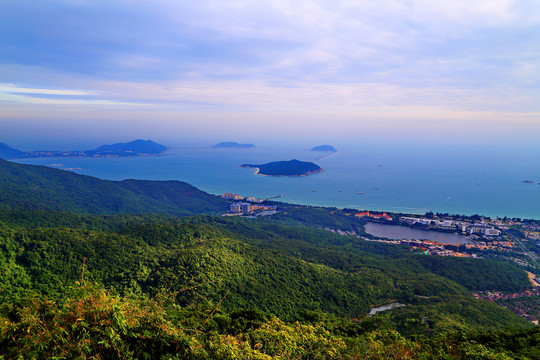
[233,144]
[286,168]
[134,148]
[324,148]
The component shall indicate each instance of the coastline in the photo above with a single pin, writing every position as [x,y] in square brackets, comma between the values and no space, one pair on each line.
[257,172]
[88,156]
[500,196]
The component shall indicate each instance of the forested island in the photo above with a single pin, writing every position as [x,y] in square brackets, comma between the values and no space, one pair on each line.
[233,144]
[137,147]
[134,148]
[286,168]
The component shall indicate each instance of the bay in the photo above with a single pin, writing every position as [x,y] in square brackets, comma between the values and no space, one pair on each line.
[396,177]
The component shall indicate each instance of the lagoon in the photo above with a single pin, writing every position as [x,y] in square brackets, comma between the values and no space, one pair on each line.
[398,232]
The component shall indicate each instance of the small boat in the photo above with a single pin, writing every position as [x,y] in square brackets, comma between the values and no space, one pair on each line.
[314,190]
[360,193]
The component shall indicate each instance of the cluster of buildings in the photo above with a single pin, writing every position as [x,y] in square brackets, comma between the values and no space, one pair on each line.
[251,199]
[433,248]
[532,230]
[476,228]
[245,208]
[535,235]
[492,245]
[246,205]
[383,216]
[436,248]
[518,307]
[231,196]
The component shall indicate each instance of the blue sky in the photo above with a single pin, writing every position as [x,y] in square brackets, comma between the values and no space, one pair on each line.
[76,71]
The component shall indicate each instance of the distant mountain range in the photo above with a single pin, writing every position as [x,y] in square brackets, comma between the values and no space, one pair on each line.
[134,148]
[31,187]
[286,168]
[233,144]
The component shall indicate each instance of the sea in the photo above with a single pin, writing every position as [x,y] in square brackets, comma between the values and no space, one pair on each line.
[490,180]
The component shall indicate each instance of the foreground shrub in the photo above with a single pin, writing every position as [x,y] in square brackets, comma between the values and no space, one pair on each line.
[92,324]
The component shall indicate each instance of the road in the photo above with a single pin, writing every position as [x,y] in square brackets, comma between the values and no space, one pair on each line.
[531,255]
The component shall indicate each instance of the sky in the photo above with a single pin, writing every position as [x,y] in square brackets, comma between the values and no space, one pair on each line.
[77,73]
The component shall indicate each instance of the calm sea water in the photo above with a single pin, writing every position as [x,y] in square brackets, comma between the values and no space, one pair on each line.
[396,232]
[405,178]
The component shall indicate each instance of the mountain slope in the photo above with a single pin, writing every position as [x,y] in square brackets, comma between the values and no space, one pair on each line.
[7,152]
[31,187]
[200,263]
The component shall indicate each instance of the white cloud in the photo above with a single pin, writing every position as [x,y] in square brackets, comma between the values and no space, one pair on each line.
[12,93]
[13,89]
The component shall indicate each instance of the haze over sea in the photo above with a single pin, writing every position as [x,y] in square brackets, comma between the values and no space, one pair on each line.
[486,179]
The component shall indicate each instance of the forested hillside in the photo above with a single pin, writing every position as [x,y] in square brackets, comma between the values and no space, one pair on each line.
[108,270]
[256,265]
[30,187]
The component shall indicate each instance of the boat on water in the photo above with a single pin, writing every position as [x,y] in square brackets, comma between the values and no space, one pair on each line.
[360,193]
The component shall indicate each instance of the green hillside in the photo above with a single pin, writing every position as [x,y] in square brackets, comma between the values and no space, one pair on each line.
[31,187]
[285,276]
[108,270]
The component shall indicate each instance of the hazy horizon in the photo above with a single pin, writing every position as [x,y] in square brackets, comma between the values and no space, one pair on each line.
[475,147]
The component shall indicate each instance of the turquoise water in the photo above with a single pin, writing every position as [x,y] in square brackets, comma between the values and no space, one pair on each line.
[407,178]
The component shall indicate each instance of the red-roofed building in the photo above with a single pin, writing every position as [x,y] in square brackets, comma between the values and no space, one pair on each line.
[373,216]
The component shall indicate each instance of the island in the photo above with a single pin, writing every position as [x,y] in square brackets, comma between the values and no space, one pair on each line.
[286,168]
[324,148]
[233,144]
[134,148]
